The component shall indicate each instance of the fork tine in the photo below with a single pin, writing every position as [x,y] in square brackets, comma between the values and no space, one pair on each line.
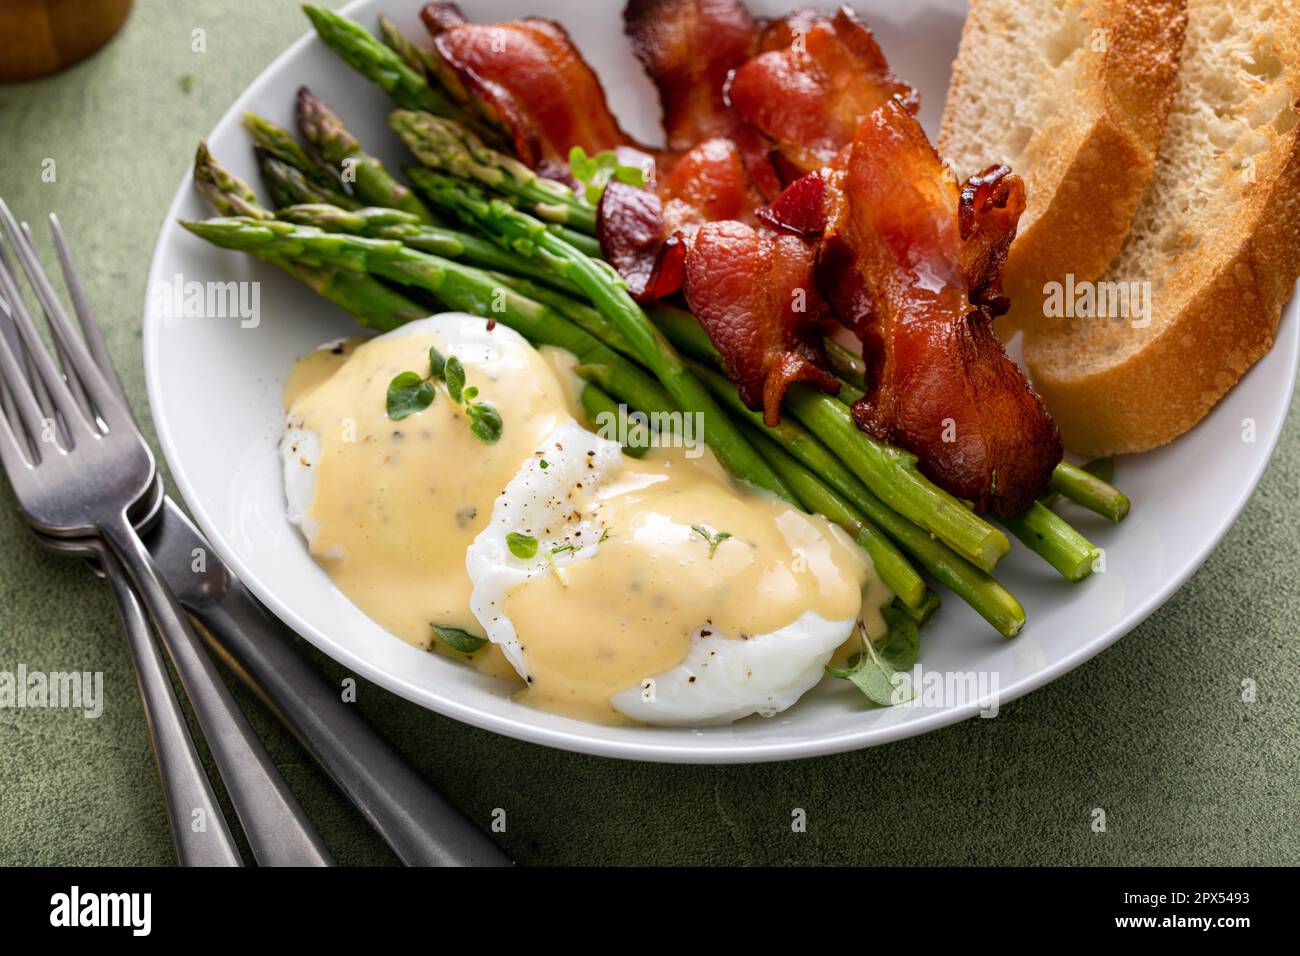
[7,404]
[81,305]
[81,366]
[24,402]
[9,329]
[61,399]
[72,381]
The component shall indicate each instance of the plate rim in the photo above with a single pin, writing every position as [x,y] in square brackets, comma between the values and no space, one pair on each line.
[734,751]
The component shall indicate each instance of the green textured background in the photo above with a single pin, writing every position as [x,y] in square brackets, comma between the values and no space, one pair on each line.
[1153,731]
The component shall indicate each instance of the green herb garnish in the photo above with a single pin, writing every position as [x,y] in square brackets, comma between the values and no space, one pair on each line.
[453,374]
[522,546]
[484,422]
[595,172]
[408,394]
[714,538]
[879,670]
[459,640]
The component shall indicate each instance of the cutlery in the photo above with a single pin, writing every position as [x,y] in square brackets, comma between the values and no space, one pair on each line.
[80,471]
[417,822]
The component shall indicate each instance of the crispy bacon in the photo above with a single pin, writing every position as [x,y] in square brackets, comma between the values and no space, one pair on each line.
[644,235]
[917,259]
[803,207]
[529,79]
[754,292]
[630,225]
[819,77]
[689,48]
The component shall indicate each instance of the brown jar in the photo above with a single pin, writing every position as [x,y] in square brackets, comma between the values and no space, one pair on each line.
[40,36]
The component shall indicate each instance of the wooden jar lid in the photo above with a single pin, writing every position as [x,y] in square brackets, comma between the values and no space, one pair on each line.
[41,36]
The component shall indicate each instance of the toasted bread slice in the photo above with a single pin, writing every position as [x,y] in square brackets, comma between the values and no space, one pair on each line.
[1214,246]
[1072,95]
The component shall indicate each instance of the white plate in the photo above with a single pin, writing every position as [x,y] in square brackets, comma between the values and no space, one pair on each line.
[215,391]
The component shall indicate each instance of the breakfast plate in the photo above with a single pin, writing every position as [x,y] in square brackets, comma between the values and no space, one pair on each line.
[216,383]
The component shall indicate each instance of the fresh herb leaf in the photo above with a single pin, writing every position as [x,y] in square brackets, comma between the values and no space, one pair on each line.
[522,546]
[408,394]
[484,422]
[471,393]
[879,672]
[604,535]
[436,362]
[562,548]
[714,538]
[453,373]
[459,640]
[595,172]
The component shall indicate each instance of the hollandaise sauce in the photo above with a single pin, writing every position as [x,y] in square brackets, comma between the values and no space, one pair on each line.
[682,551]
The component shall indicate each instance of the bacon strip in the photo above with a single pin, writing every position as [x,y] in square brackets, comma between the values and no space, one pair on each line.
[912,263]
[644,235]
[689,48]
[754,292]
[819,76]
[529,79]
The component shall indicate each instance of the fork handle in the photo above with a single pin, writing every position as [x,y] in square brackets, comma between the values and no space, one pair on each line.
[187,793]
[278,830]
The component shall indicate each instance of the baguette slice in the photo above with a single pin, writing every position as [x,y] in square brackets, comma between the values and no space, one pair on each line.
[1216,238]
[1072,95]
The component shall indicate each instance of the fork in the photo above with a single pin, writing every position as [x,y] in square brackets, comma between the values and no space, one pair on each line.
[79,466]
[186,790]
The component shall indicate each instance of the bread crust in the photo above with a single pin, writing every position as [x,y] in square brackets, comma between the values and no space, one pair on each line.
[1227,302]
[1227,325]
[1105,165]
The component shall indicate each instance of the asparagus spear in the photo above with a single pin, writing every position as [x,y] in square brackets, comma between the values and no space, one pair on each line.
[1092,490]
[579,313]
[929,604]
[449,147]
[889,472]
[372,303]
[322,128]
[974,586]
[380,223]
[227,193]
[418,59]
[894,569]
[280,143]
[456,285]
[605,289]
[1053,539]
[378,63]
[289,185]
